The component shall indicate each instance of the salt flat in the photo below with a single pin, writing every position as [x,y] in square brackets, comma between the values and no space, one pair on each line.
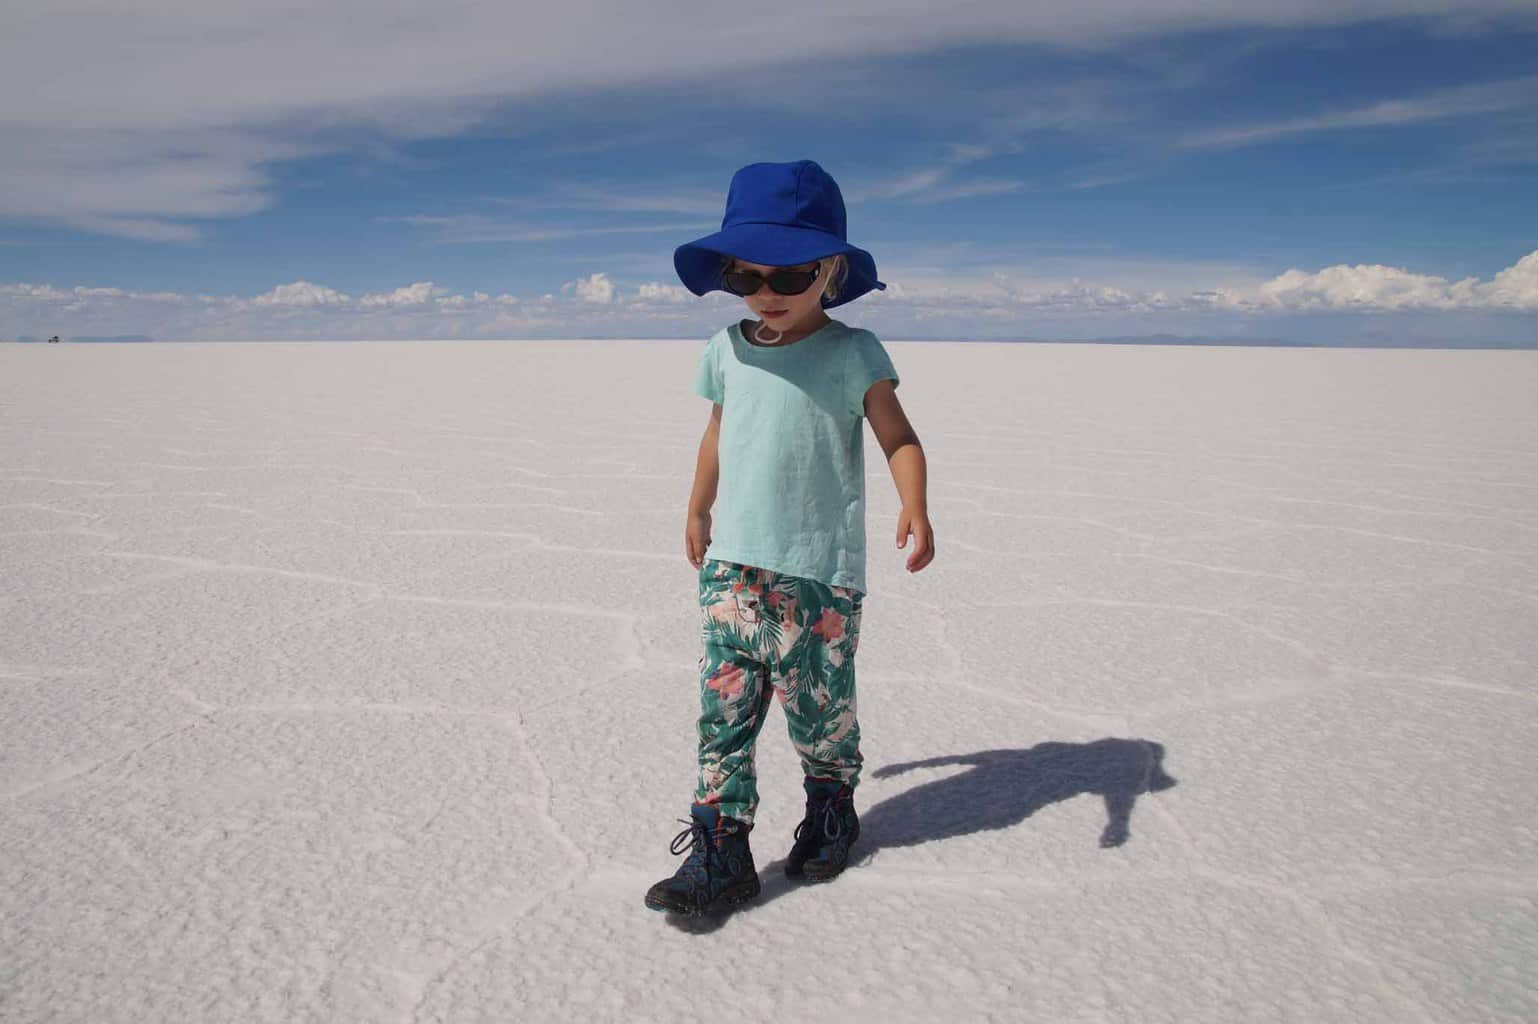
[356,682]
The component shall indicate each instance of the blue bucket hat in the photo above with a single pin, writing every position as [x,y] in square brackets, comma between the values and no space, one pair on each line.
[778,215]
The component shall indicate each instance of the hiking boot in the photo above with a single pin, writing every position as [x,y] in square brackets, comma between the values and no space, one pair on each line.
[719,869]
[825,834]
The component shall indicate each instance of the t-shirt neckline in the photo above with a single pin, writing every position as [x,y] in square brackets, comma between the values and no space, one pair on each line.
[750,342]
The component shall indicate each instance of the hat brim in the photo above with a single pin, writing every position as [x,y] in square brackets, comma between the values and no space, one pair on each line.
[772,245]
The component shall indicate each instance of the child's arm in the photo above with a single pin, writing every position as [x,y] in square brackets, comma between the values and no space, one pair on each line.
[894,433]
[905,458]
[707,468]
[707,473]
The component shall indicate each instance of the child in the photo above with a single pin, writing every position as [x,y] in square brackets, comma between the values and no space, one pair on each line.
[782,583]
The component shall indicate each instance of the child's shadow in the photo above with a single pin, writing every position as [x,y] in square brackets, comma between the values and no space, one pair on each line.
[1003,788]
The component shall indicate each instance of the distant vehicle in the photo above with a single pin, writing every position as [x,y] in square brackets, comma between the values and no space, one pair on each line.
[53,340]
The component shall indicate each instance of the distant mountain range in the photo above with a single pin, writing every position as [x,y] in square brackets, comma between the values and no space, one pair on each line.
[28,339]
[1197,339]
[1129,339]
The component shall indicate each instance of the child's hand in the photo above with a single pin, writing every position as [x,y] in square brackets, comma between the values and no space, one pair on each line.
[697,538]
[916,523]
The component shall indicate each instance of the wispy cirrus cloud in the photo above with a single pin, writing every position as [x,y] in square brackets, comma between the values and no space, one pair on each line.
[969,190]
[933,183]
[173,115]
[571,196]
[927,184]
[1458,102]
[1507,111]
[465,228]
[113,181]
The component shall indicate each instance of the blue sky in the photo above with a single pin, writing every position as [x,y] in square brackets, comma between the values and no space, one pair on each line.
[1106,168]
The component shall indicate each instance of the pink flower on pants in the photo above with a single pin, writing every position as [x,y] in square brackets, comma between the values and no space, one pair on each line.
[727,682]
[830,627]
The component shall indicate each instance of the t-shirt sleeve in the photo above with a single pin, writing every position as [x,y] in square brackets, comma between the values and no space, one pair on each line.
[707,378]
[868,363]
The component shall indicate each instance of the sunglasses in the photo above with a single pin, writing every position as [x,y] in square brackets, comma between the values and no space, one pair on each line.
[781,282]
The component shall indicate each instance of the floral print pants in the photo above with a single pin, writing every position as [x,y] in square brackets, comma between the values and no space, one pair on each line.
[766,631]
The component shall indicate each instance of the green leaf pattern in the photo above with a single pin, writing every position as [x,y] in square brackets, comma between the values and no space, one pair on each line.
[765,633]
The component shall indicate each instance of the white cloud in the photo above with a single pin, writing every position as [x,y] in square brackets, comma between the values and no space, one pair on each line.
[301,309]
[654,291]
[1000,295]
[1360,287]
[35,292]
[301,293]
[920,300]
[47,293]
[1338,288]
[1516,286]
[596,288]
[419,294]
[1378,288]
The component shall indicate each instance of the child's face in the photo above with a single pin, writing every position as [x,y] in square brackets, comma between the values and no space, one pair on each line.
[786,312]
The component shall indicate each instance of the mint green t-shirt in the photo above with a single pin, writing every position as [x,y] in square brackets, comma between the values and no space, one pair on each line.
[791,491]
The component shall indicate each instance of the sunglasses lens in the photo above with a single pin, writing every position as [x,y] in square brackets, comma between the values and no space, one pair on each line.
[790,282]
[742,283]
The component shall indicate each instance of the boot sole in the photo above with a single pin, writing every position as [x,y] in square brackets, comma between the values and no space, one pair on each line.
[807,873]
[731,897]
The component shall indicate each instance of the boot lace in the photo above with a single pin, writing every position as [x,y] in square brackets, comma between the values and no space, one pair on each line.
[695,837]
[821,812]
